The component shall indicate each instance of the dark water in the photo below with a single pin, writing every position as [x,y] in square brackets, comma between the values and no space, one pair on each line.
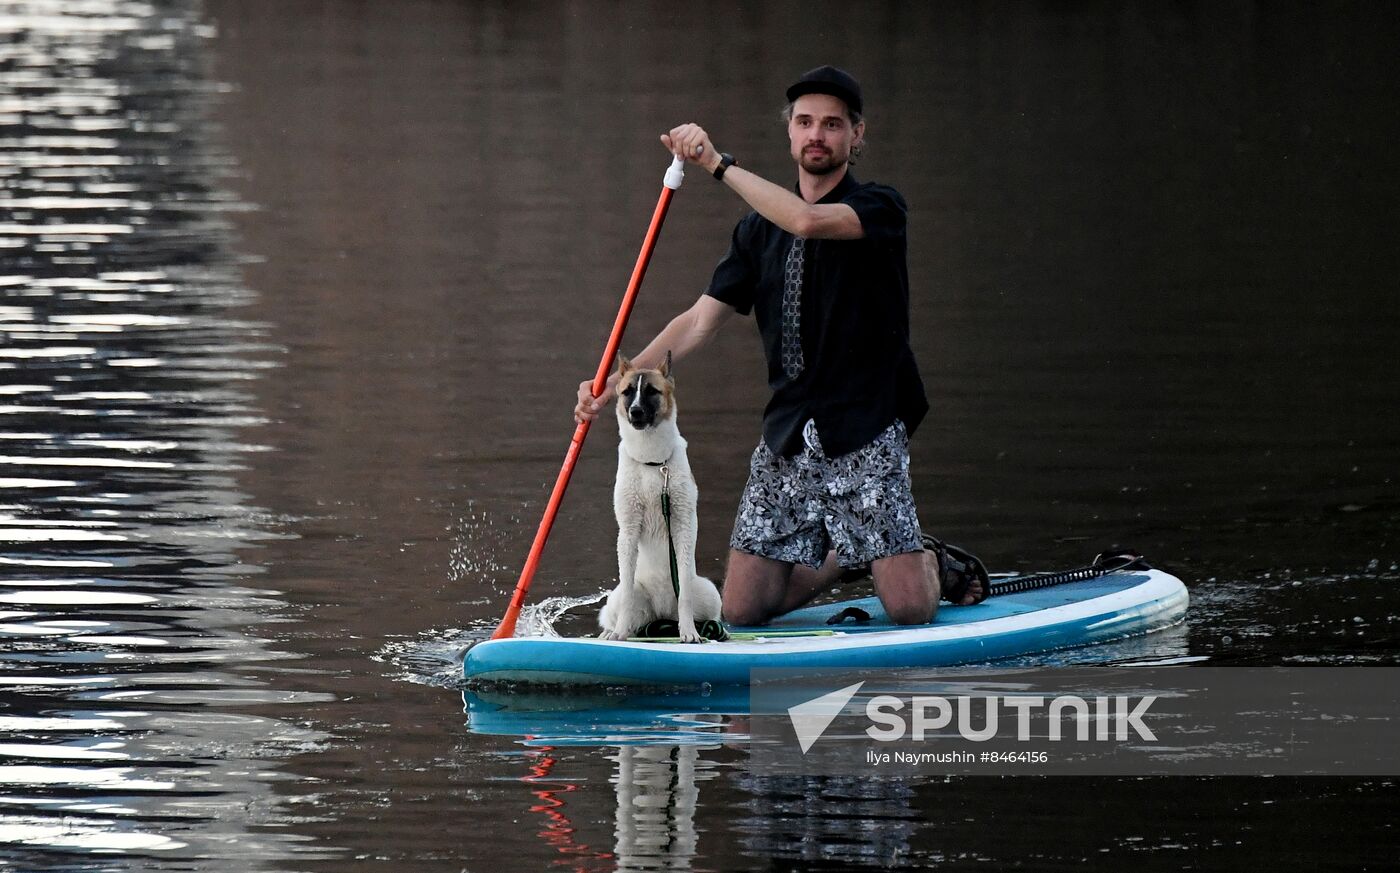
[295,296]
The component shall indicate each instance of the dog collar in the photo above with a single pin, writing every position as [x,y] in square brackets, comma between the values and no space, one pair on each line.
[668,460]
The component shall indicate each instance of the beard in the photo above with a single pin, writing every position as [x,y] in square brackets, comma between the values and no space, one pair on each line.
[821,164]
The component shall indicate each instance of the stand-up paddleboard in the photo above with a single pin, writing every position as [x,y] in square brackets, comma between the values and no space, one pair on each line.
[1108,607]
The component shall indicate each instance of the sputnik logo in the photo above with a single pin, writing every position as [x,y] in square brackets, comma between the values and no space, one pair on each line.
[811,719]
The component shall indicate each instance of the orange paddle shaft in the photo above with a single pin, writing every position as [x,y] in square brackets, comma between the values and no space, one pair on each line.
[517,600]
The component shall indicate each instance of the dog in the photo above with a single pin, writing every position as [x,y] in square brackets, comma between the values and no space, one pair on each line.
[650,454]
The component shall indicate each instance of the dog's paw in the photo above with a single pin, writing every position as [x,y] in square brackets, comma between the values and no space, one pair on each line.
[690,635]
[611,635]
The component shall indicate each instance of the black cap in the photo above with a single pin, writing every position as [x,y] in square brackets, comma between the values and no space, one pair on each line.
[828,80]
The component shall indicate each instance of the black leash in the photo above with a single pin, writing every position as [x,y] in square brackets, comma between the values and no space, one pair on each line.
[709,629]
[666,514]
[670,541]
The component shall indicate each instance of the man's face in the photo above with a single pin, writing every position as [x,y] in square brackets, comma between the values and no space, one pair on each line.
[821,133]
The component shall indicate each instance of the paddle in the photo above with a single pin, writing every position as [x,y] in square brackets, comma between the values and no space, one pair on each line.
[672,181]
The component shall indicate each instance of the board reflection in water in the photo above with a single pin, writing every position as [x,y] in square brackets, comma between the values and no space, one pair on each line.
[658,793]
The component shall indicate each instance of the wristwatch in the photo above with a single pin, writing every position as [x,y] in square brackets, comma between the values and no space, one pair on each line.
[726,161]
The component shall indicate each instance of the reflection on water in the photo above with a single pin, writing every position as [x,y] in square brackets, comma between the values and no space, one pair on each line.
[658,790]
[657,793]
[130,649]
[612,717]
[837,820]
[658,805]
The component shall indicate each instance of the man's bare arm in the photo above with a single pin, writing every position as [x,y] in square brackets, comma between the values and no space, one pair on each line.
[773,202]
[687,332]
[790,212]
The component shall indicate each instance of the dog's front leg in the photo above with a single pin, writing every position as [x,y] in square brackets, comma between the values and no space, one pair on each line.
[685,599]
[621,602]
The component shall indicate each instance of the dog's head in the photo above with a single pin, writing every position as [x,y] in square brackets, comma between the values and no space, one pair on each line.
[645,398]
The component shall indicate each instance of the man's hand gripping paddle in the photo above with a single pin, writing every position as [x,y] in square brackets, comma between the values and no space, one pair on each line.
[672,182]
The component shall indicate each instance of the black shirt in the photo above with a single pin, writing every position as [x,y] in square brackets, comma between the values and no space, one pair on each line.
[859,373]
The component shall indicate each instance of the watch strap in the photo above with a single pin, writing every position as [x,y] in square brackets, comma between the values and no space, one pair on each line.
[726,161]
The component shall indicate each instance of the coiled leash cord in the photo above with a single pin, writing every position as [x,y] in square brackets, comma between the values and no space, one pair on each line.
[1105,563]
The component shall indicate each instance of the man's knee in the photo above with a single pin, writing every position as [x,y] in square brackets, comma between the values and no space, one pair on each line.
[908,588]
[741,605]
[911,612]
[753,588]
[742,614]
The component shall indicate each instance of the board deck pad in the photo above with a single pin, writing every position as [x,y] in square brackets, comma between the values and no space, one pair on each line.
[1110,607]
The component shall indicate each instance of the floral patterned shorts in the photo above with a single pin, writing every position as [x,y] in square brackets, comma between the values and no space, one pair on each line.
[797,509]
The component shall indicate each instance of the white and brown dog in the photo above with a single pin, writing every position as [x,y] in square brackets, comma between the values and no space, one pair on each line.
[650,456]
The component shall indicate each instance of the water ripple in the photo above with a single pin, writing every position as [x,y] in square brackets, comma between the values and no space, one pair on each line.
[129,715]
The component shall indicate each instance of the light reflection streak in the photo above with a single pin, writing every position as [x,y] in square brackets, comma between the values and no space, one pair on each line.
[98,751]
[98,639]
[75,722]
[37,461]
[53,681]
[31,522]
[76,563]
[92,838]
[49,352]
[55,536]
[92,807]
[93,777]
[75,598]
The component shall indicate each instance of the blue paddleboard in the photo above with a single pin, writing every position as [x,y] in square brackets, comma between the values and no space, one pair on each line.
[1114,606]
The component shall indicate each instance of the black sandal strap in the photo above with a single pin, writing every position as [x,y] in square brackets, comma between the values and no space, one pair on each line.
[958,569]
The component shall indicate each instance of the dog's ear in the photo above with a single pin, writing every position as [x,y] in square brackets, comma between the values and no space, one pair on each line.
[623,365]
[665,370]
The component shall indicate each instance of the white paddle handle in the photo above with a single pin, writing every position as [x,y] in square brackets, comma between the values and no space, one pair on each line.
[675,175]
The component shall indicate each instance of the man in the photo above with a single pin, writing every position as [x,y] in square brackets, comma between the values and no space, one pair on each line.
[824,272]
